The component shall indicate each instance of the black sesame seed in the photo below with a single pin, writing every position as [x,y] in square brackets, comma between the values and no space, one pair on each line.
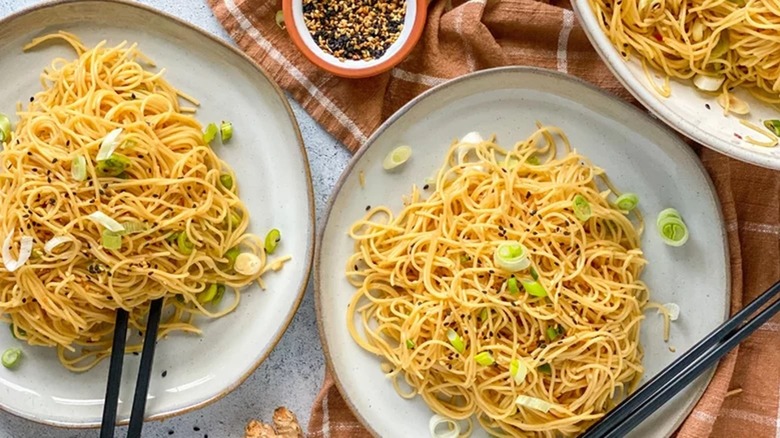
[164,373]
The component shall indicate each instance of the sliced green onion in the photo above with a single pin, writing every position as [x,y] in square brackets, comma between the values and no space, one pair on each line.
[410,344]
[545,368]
[234,219]
[534,288]
[272,240]
[112,240]
[553,333]
[721,47]
[231,255]
[533,160]
[113,165]
[184,243]
[133,227]
[397,157]
[280,19]
[533,403]
[207,295]
[102,219]
[11,357]
[108,145]
[511,163]
[78,168]
[511,256]
[248,264]
[456,340]
[534,274]
[17,329]
[210,133]
[226,131]
[773,125]
[627,201]
[173,237]
[512,287]
[518,370]
[485,359]
[671,227]
[465,258]
[218,297]
[226,180]
[443,427]
[581,208]
[5,128]
[483,314]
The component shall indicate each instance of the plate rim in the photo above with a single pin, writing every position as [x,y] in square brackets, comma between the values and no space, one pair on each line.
[308,258]
[550,74]
[608,54]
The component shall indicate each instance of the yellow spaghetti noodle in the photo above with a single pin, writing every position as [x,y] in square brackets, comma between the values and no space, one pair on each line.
[170,191]
[429,272]
[738,40]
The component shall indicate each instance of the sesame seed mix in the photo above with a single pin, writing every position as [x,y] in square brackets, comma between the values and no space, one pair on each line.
[354,29]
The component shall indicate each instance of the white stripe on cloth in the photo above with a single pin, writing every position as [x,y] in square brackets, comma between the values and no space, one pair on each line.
[470,62]
[563,41]
[777,427]
[418,78]
[761,228]
[312,89]
[703,416]
[750,416]
[325,416]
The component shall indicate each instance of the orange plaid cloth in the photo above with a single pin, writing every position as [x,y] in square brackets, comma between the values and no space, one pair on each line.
[461,37]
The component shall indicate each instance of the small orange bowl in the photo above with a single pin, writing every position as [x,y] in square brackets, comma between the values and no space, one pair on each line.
[414,21]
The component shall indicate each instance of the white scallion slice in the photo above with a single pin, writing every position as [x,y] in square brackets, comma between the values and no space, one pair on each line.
[511,256]
[79,168]
[708,83]
[247,264]
[5,128]
[109,144]
[518,370]
[25,250]
[133,227]
[581,208]
[627,201]
[56,241]
[397,157]
[674,311]
[472,138]
[101,218]
[443,427]
[456,340]
[672,228]
[533,403]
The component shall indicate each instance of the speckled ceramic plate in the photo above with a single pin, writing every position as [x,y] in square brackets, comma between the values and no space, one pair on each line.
[639,155]
[268,157]
[686,109]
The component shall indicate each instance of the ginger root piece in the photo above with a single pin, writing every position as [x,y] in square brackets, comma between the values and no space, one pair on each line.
[285,425]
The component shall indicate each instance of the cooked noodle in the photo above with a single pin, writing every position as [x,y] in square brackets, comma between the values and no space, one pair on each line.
[733,38]
[430,269]
[68,298]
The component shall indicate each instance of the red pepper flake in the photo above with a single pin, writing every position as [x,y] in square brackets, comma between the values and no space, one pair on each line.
[659,37]
[738,136]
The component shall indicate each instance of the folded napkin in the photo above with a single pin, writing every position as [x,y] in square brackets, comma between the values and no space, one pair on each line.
[461,37]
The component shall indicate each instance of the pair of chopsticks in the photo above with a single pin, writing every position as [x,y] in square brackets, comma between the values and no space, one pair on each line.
[661,388]
[144,372]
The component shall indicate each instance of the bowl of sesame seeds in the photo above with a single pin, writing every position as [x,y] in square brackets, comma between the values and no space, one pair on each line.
[355,38]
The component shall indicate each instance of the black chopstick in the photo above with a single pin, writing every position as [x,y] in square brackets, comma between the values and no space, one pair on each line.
[683,371]
[145,370]
[114,375]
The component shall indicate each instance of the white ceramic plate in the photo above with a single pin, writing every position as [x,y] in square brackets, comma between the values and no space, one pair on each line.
[685,109]
[638,154]
[273,176]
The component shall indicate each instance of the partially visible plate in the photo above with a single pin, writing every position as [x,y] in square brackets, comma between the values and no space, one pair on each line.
[638,154]
[686,109]
[267,155]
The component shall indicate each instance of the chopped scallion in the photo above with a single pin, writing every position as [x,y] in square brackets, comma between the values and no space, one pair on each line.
[185,244]
[512,287]
[627,201]
[554,332]
[545,368]
[226,180]
[397,157]
[5,128]
[511,256]
[534,288]
[218,297]
[113,165]
[534,274]
[533,403]
[210,133]
[173,237]
[226,131]
[78,168]
[234,219]
[518,370]
[483,314]
[272,240]
[11,357]
[533,160]
[410,344]
[672,228]
[112,240]
[773,125]
[484,358]
[581,208]
[456,341]
[207,295]
[231,255]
